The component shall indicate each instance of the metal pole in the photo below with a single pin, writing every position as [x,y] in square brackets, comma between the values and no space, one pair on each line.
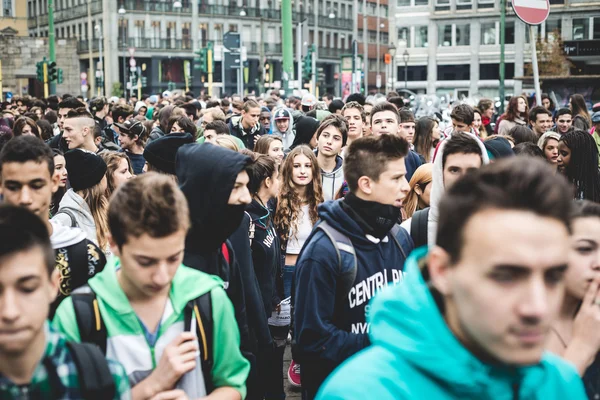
[502,43]
[1,95]
[241,71]
[299,54]
[45,79]
[261,63]
[90,34]
[378,47]
[51,41]
[534,64]
[125,72]
[313,72]
[354,65]
[209,60]
[288,44]
[365,66]
[101,88]
[405,73]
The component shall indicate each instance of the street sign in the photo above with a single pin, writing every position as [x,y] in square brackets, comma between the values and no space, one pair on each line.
[132,62]
[83,75]
[532,12]
[378,81]
[131,51]
[84,88]
[9,96]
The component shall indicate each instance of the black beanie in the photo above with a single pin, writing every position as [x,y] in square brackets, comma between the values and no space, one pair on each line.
[160,153]
[85,169]
[498,147]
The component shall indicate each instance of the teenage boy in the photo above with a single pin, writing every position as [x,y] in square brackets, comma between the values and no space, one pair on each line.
[175,348]
[332,135]
[386,120]
[160,153]
[78,133]
[462,117]
[564,120]
[99,108]
[283,124]
[29,180]
[247,127]
[64,107]
[540,119]
[488,309]
[133,135]
[355,249]
[356,119]
[119,114]
[35,361]
[407,125]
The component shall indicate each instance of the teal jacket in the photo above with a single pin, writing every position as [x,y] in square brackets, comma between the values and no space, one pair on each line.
[414,355]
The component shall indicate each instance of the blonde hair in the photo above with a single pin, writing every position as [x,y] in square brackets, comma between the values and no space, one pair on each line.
[97,201]
[227,142]
[421,178]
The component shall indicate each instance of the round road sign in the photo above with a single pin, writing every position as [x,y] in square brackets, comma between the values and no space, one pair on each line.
[532,12]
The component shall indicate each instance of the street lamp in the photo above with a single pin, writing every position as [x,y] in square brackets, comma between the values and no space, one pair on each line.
[124,42]
[392,50]
[242,13]
[405,57]
[122,10]
[98,28]
[177,4]
[331,15]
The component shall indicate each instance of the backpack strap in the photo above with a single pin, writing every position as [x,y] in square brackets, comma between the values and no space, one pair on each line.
[418,227]
[403,240]
[225,251]
[89,321]
[71,216]
[341,243]
[201,309]
[93,373]
[78,262]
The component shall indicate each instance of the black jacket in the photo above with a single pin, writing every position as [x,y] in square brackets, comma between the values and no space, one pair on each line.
[236,129]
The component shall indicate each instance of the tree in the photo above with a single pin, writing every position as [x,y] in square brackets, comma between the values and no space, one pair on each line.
[117,89]
[552,60]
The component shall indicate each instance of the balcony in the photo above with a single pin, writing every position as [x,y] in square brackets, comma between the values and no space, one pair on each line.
[269,48]
[66,14]
[328,52]
[140,43]
[339,23]
[83,46]
[156,6]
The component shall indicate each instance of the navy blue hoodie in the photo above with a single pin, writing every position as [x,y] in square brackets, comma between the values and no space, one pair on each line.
[326,333]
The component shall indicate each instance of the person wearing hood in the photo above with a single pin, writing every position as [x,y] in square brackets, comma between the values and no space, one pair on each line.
[247,126]
[28,180]
[355,250]
[140,109]
[331,138]
[305,128]
[163,117]
[160,154]
[283,124]
[479,328]
[265,119]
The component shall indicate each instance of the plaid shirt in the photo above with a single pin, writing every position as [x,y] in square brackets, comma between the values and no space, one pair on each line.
[55,377]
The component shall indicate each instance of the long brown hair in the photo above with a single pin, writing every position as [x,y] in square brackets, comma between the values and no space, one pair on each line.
[422,178]
[264,142]
[423,139]
[112,160]
[97,201]
[578,107]
[289,204]
[512,111]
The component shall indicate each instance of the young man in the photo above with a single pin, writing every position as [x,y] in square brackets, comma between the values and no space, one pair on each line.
[78,131]
[153,308]
[35,361]
[99,108]
[132,136]
[265,119]
[540,119]
[385,120]
[246,127]
[335,279]
[64,107]
[462,116]
[283,124]
[119,114]
[356,119]
[29,180]
[214,129]
[488,309]
[407,125]
[564,120]
[331,138]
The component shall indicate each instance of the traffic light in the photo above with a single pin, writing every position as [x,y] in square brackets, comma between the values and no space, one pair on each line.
[39,68]
[200,61]
[52,71]
[307,66]
[144,81]
[59,76]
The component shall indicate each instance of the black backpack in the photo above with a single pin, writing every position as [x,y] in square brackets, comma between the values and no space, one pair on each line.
[92,328]
[418,227]
[93,373]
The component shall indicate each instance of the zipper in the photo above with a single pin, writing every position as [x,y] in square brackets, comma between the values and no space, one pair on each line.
[515,388]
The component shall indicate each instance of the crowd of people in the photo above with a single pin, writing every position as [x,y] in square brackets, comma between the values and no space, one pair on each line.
[173,247]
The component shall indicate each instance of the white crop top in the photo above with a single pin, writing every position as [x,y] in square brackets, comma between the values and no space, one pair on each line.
[295,242]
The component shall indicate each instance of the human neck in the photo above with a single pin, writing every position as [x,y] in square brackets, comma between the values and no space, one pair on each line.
[19,369]
[263,197]
[327,164]
[90,147]
[301,192]
[136,149]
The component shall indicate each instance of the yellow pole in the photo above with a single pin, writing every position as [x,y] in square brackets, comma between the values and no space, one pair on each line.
[139,87]
[45,80]
[209,59]
[186,65]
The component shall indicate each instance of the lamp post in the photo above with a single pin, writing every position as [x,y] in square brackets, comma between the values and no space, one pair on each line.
[123,40]
[392,50]
[100,63]
[405,57]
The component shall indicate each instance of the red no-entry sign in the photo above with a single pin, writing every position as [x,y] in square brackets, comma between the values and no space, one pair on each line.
[532,12]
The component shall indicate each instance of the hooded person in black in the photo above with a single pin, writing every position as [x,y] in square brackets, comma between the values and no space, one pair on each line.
[305,127]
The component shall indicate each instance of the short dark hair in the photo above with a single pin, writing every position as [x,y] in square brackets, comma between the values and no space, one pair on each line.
[214,103]
[515,183]
[218,126]
[121,110]
[329,96]
[535,111]
[80,112]
[563,111]
[406,115]
[463,113]
[337,122]
[397,101]
[384,106]
[335,105]
[186,124]
[70,102]
[368,156]
[20,231]
[357,97]
[22,149]
[355,105]
[585,209]
[460,143]
[522,134]
[190,111]
[529,149]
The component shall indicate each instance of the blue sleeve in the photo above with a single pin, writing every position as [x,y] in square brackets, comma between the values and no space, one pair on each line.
[315,296]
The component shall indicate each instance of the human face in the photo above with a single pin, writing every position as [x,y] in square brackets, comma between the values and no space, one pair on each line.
[460,126]
[563,123]
[27,131]
[276,151]
[302,174]
[74,134]
[282,125]
[127,143]
[149,264]
[551,151]
[142,111]
[457,165]
[60,169]
[355,123]
[329,142]
[26,291]
[265,120]
[477,121]
[29,185]
[210,136]
[489,112]
[546,103]
[39,113]
[391,188]
[62,113]
[526,273]
[250,117]
[121,174]
[207,119]
[240,194]
[435,132]
[407,131]
[176,128]
[385,122]
[564,155]
[542,124]
[584,258]
[521,105]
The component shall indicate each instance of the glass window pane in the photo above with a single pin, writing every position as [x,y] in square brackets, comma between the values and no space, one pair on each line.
[445,36]
[581,28]
[463,35]
[402,3]
[488,33]
[421,2]
[597,28]
[553,28]
[509,36]
[421,36]
[404,37]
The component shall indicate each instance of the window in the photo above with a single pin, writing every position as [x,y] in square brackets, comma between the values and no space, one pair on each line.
[372,65]
[421,2]
[408,3]
[371,9]
[445,36]
[414,73]
[384,38]
[442,5]
[492,71]
[372,36]
[404,37]
[463,35]
[454,72]
[509,32]
[485,4]
[7,8]
[464,4]
[581,28]
[403,3]
[421,39]
[488,33]
[596,28]
[553,29]
[383,11]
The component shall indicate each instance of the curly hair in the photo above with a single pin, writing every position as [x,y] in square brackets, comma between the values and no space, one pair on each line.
[512,110]
[289,203]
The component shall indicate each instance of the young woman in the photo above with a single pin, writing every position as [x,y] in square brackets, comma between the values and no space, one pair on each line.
[578,159]
[516,114]
[299,196]
[478,124]
[548,103]
[60,168]
[118,170]
[581,116]
[427,136]
[420,190]
[576,333]
[271,145]
[26,126]
[486,106]
[549,144]
[522,134]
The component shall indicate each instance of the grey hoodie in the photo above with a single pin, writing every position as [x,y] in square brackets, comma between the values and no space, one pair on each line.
[332,181]
[65,236]
[74,203]
[289,135]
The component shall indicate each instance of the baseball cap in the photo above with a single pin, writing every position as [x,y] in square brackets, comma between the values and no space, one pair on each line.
[596,117]
[308,100]
[153,99]
[282,113]
[97,104]
[132,127]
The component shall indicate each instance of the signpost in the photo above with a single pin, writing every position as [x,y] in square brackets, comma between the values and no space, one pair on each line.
[533,12]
